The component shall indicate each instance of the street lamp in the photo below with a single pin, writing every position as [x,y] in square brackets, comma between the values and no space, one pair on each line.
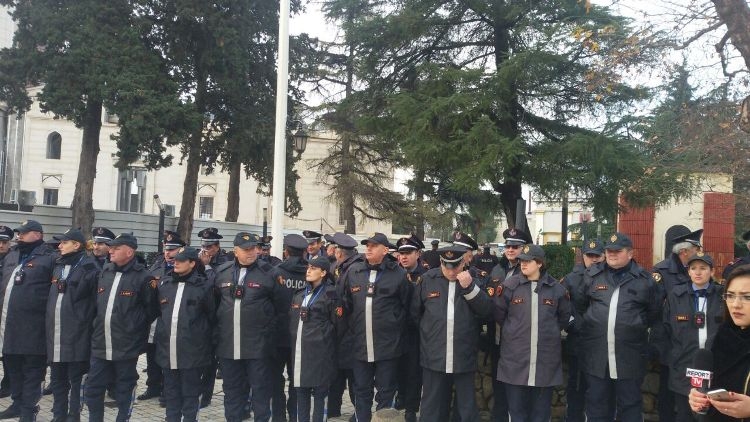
[299,140]
[162,214]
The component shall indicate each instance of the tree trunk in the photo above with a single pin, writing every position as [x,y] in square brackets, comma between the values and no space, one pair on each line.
[190,186]
[233,196]
[82,205]
[736,16]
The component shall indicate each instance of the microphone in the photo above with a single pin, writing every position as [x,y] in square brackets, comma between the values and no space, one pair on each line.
[702,371]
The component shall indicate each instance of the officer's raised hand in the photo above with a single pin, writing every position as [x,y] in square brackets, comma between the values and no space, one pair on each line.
[464,279]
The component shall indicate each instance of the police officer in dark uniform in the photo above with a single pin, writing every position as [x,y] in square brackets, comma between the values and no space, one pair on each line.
[251,304]
[431,258]
[448,305]
[27,273]
[618,301]
[290,274]
[6,235]
[266,251]
[184,330]
[211,253]
[410,372]
[314,244]
[346,255]
[669,273]
[692,315]
[99,237]
[71,307]
[125,307]
[376,292]
[745,260]
[575,393]
[316,312]
[159,269]
[485,260]
[507,266]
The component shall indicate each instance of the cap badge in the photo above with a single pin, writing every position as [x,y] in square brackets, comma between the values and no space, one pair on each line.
[592,244]
[25,222]
[512,232]
[169,238]
[100,231]
[457,236]
[526,249]
[613,238]
[402,241]
[699,253]
[245,237]
[181,250]
[449,254]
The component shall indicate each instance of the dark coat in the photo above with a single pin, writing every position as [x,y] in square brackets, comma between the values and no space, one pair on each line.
[314,342]
[668,274]
[345,340]
[429,308]
[191,346]
[389,308]
[572,282]
[679,326]
[638,309]
[260,310]
[71,307]
[158,270]
[24,305]
[125,307]
[731,351]
[290,274]
[513,311]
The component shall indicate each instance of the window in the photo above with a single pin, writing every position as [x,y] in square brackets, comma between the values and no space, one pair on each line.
[54,144]
[206,207]
[50,196]
[131,190]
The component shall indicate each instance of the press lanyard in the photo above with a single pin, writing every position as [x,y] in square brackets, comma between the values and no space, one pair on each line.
[314,297]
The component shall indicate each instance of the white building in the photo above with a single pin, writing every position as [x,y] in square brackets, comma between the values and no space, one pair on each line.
[40,164]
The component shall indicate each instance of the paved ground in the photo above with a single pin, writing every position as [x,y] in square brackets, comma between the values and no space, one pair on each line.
[150,411]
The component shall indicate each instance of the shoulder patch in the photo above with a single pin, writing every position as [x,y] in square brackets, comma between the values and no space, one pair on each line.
[656,276]
[490,291]
[100,290]
[164,301]
[280,280]
[499,290]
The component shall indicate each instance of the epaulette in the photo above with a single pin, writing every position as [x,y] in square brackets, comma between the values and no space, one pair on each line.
[595,269]
[512,282]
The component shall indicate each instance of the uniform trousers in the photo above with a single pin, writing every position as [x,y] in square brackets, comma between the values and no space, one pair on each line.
[529,404]
[383,375]
[665,398]
[239,376]
[575,392]
[26,374]
[410,376]
[279,402]
[208,380]
[154,376]
[336,392]
[599,404]
[122,375]
[436,397]
[66,391]
[319,398]
[182,390]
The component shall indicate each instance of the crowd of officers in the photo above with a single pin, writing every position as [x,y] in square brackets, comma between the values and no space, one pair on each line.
[395,324]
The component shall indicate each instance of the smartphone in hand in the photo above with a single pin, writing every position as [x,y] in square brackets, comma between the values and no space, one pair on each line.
[719,395]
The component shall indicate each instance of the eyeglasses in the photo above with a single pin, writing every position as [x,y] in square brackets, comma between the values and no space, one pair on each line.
[731,297]
[512,246]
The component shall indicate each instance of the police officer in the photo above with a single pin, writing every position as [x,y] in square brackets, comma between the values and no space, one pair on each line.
[290,274]
[251,303]
[431,258]
[6,235]
[346,255]
[618,301]
[692,315]
[184,333]
[211,253]
[592,253]
[159,269]
[265,252]
[314,316]
[314,244]
[448,306]
[669,273]
[71,307]
[532,308]
[410,373]
[745,260]
[125,307]
[375,298]
[508,265]
[99,237]
[485,260]
[27,273]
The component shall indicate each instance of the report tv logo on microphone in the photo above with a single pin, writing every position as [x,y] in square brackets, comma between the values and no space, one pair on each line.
[697,377]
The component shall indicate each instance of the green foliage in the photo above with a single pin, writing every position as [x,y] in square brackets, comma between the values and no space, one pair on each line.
[559,259]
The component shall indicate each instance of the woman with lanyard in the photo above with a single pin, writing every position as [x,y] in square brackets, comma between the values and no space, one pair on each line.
[692,315]
[183,336]
[71,306]
[532,308]
[731,356]
[315,313]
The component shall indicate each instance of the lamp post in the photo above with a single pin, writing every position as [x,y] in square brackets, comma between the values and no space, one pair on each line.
[265,223]
[162,214]
[299,139]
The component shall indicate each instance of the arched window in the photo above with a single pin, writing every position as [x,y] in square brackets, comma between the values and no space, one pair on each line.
[54,144]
